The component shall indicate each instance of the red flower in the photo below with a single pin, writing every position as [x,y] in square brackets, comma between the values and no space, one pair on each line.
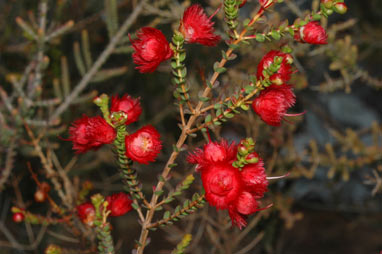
[86,213]
[196,27]
[144,145]
[227,187]
[119,204]
[273,102]
[151,48]
[312,33]
[18,217]
[211,153]
[130,106]
[245,204]
[282,75]
[254,178]
[90,133]
[222,184]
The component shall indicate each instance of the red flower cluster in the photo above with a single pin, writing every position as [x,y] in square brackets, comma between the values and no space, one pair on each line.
[227,187]
[128,105]
[118,204]
[312,33]
[282,75]
[144,145]
[273,102]
[151,48]
[196,27]
[90,133]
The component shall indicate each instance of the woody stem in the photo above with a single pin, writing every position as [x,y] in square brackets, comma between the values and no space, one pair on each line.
[182,138]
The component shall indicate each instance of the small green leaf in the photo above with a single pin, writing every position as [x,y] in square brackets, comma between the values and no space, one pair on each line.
[260,38]
[275,35]
[166,215]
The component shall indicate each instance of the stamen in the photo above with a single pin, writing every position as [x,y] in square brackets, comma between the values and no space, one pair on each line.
[278,177]
[217,10]
[297,114]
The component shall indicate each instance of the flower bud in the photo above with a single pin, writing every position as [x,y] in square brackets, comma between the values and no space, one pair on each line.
[327,3]
[86,213]
[53,249]
[18,217]
[252,158]
[40,196]
[277,62]
[242,150]
[340,8]
[312,33]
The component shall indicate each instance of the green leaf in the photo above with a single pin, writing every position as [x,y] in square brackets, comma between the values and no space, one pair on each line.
[275,35]
[166,215]
[208,118]
[204,99]
[260,38]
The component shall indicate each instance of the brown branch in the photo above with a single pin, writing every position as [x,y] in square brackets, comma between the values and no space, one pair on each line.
[100,61]
[150,213]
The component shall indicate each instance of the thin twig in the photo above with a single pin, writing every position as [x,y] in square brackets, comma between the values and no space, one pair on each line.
[150,213]
[100,61]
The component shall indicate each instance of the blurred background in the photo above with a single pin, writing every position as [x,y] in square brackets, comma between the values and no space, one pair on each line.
[330,203]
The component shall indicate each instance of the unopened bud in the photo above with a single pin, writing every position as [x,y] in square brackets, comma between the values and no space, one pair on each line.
[340,8]
[252,158]
[18,217]
[40,196]
[242,150]
[327,3]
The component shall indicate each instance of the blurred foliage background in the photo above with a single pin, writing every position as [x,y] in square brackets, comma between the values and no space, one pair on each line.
[330,203]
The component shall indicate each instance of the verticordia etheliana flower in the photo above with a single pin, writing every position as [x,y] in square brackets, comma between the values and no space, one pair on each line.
[227,187]
[273,102]
[119,204]
[90,133]
[312,33]
[127,104]
[196,27]
[282,75]
[144,145]
[151,48]
[86,213]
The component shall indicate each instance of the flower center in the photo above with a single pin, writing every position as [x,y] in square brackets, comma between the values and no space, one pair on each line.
[221,184]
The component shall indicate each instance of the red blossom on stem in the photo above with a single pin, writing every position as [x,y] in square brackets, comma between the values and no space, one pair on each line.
[128,105]
[222,184]
[283,74]
[18,217]
[312,33]
[90,133]
[151,48]
[119,204]
[227,187]
[211,153]
[196,27]
[144,145]
[86,213]
[273,102]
